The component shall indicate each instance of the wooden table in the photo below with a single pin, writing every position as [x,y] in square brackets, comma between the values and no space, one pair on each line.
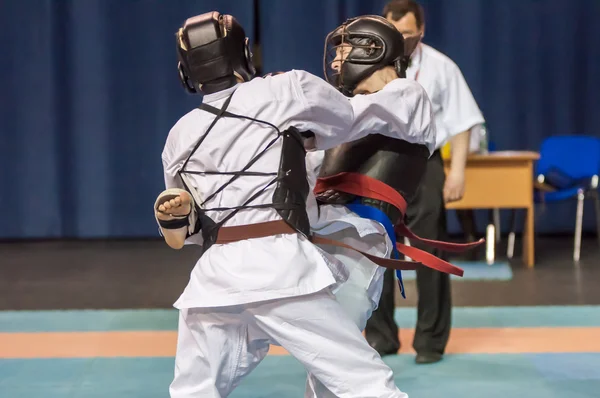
[501,180]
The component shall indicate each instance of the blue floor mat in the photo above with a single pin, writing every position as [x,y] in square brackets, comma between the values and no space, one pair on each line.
[465,376]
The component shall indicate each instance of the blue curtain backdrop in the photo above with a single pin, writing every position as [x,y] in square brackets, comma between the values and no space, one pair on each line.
[90,91]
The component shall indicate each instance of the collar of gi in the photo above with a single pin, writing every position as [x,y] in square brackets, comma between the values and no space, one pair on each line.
[219,95]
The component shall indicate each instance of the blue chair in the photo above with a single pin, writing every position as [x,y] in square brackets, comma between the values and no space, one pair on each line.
[568,169]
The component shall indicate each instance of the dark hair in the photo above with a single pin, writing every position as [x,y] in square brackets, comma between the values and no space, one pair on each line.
[400,8]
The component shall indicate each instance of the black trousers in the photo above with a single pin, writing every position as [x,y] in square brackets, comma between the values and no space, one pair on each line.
[426,217]
[466,218]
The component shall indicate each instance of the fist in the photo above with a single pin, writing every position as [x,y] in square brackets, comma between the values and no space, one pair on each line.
[309,144]
[171,205]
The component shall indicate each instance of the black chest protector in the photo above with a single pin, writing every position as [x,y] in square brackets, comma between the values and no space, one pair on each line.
[392,161]
[290,180]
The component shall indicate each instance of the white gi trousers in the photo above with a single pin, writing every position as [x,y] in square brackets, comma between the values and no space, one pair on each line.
[218,346]
[360,294]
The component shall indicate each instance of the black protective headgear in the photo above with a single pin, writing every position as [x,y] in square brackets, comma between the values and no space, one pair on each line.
[210,48]
[373,43]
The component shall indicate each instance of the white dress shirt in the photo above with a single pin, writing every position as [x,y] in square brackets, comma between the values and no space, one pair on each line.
[454,107]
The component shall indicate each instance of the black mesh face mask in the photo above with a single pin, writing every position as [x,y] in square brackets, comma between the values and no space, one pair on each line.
[333,51]
[350,57]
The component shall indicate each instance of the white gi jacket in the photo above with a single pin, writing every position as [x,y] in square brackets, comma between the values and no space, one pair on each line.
[398,99]
[275,266]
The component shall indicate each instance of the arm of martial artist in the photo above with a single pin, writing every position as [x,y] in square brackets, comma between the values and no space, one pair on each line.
[174,211]
[319,109]
[174,208]
[401,109]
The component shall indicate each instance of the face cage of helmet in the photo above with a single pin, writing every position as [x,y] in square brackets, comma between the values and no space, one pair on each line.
[363,49]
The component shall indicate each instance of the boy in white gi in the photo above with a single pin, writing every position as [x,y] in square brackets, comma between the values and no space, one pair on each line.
[237,185]
[365,184]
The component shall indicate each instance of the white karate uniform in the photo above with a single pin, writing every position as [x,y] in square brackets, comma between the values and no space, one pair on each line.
[359,296]
[277,289]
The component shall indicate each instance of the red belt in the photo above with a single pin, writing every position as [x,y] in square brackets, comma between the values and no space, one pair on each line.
[368,187]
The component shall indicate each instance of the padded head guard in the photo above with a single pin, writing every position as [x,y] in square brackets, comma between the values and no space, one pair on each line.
[361,46]
[213,49]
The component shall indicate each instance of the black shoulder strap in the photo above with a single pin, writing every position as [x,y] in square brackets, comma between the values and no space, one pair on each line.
[219,113]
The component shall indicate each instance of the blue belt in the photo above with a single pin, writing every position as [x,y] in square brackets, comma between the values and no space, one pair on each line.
[371,213]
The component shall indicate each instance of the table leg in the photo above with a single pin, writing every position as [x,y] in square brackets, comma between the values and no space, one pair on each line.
[529,238]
